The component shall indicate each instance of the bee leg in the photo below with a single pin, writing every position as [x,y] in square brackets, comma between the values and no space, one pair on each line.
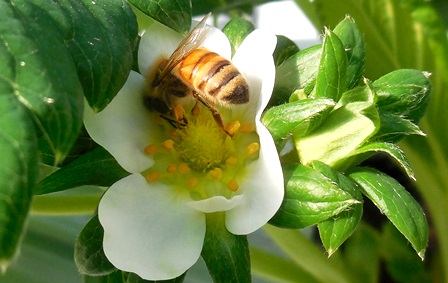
[196,109]
[173,123]
[216,115]
[179,114]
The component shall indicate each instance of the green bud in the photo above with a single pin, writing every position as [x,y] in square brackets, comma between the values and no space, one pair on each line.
[354,45]
[405,93]
[284,49]
[300,116]
[297,72]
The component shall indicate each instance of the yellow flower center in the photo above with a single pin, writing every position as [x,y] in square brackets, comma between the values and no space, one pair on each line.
[201,144]
[200,157]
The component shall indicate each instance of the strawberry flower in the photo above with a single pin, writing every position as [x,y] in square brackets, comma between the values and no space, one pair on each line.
[154,219]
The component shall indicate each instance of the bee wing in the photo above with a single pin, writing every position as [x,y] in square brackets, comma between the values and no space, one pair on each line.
[192,41]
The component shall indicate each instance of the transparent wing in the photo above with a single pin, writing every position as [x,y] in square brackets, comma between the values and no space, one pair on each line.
[192,41]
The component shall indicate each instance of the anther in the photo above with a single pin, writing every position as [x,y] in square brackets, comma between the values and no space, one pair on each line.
[151,149]
[231,160]
[152,177]
[168,144]
[247,128]
[232,185]
[192,182]
[233,127]
[171,168]
[253,148]
[216,173]
[184,168]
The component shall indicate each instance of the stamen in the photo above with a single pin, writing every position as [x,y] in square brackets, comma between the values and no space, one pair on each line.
[216,173]
[232,185]
[253,148]
[233,127]
[184,168]
[152,177]
[231,160]
[247,128]
[168,144]
[151,149]
[171,168]
[192,182]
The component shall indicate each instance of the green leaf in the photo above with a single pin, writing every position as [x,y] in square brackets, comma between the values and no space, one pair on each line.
[225,254]
[201,7]
[236,31]
[385,31]
[82,145]
[174,14]
[40,73]
[401,262]
[331,79]
[391,149]
[277,268]
[396,203]
[298,72]
[101,37]
[310,198]
[89,254]
[404,92]
[18,170]
[126,277]
[96,167]
[284,49]
[343,130]
[335,230]
[301,116]
[394,128]
[361,254]
[354,46]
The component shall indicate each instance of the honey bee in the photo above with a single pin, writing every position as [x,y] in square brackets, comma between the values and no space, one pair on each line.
[197,72]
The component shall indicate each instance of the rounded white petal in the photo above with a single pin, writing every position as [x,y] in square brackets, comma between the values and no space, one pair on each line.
[262,189]
[123,128]
[216,203]
[157,41]
[149,230]
[218,42]
[254,60]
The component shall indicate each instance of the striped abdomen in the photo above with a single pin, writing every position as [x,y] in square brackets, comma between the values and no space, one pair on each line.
[214,76]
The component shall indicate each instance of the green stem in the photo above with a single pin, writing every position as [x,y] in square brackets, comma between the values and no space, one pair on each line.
[277,269]
[307,255]
[65,205]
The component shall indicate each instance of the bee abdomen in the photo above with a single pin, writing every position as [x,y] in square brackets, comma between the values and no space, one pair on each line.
[215,76]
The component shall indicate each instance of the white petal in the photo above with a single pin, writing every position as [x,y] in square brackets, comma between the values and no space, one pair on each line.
[123,127]
[218,42]
[149,230]
[214,204]
[254,60]
[157,41]
[262,189]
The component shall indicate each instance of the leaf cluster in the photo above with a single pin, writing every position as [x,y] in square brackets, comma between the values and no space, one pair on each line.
[326,119]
